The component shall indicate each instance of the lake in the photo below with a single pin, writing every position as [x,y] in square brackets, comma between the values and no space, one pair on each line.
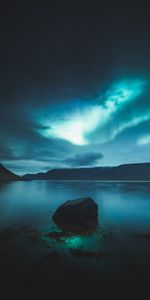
[113,261]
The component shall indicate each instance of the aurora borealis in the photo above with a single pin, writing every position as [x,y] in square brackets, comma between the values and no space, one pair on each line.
[77,126]
[75,89]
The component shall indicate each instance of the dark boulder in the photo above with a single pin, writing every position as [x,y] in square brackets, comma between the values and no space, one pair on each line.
[77,215]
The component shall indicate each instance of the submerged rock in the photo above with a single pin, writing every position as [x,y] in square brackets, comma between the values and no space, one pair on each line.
[77,215]
[88,254]
[54,255]
[144,236]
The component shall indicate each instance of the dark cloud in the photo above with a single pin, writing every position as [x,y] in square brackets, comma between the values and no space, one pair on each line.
[5,152]
[86,159]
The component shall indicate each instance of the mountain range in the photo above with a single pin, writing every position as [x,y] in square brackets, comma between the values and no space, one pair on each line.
[140,171]
[137,171]
[7,175]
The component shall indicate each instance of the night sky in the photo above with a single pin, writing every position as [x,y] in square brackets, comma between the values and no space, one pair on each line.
[74,84]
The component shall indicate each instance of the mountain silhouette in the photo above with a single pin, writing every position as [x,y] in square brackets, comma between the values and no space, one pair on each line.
[5,174]
[138,171]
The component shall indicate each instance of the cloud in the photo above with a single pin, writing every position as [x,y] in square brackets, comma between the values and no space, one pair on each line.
[5,152]
[86,159]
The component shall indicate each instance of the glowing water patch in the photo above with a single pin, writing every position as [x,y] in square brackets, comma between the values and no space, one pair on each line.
[74,242]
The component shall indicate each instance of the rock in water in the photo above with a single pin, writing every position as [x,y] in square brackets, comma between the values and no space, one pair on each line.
[77,215]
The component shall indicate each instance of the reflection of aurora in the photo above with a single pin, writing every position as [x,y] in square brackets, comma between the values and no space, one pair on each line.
[77,127]
[74,241]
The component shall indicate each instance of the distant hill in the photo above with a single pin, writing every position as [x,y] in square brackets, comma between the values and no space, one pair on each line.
[69,174]
[140,171]
[6,175]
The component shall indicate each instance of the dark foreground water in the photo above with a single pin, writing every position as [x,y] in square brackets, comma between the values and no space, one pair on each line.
[111,263]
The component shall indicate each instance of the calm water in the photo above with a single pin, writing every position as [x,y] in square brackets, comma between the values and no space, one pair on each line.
[33,263]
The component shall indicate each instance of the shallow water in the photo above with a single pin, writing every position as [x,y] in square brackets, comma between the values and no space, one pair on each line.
[31,262]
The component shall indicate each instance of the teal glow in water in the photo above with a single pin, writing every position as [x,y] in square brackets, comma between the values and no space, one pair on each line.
[74,242]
